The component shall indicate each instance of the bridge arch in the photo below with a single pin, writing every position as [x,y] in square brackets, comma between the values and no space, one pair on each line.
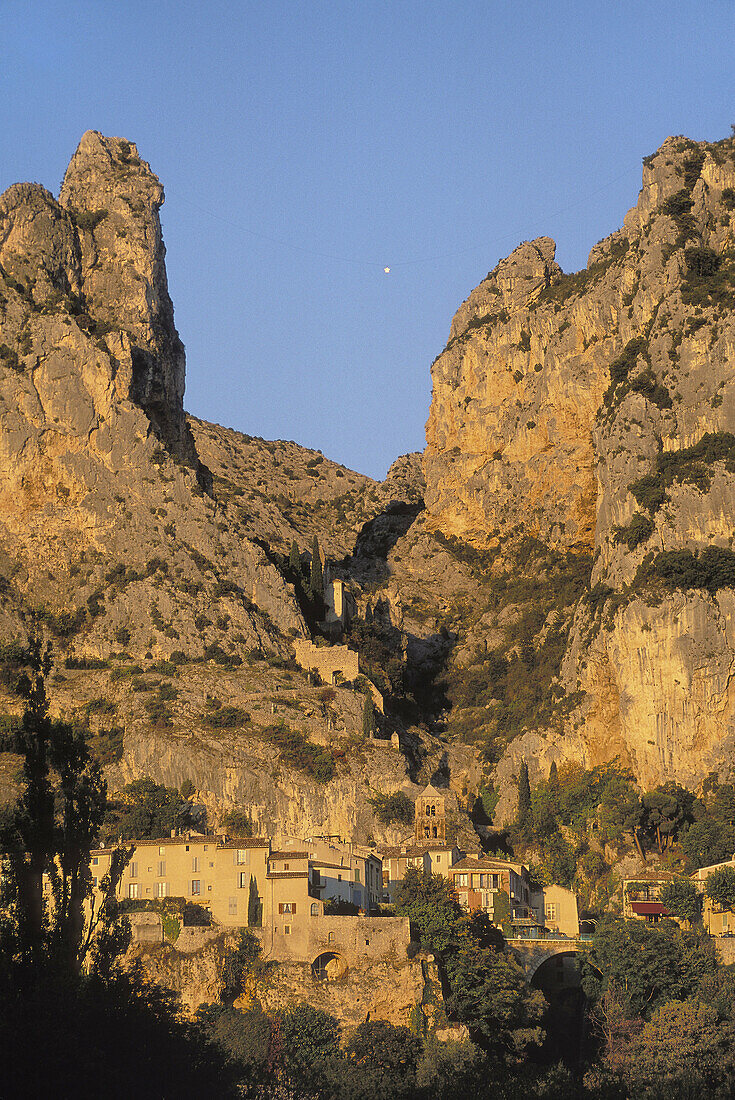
[560,952]
[329,967]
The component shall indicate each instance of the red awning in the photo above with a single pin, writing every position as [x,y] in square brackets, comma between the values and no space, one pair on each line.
[649,909]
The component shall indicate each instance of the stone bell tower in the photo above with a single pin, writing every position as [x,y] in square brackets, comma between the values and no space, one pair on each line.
[430,807]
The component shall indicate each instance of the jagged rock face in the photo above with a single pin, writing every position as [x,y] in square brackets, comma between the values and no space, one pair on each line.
[114,199]
[108,537]
[98,473]
[515,394]
[659,672]
[567,407]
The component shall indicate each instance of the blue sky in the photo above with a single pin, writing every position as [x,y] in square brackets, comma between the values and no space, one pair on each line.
[304,145]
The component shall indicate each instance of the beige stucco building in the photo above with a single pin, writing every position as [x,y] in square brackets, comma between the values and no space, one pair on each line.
[717,921]
[214,872]
[231,877]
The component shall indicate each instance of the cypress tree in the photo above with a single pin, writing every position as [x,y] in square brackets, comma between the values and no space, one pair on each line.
[524,797]
[553,777]
[368,717]
[316,580]
[294,559]
[254,910]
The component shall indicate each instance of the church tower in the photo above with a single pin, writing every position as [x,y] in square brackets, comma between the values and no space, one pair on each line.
[430,808]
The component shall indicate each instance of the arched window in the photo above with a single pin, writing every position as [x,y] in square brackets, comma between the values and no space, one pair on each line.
[426,830]
[428,811]
[434,831]
[315,908]
[433,811]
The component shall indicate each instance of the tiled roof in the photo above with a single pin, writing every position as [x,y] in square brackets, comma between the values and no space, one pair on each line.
[289,855]
[486,865]
[245,842]
[197,838]
[287,874]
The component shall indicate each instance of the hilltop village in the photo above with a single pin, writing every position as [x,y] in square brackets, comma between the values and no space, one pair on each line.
[426,780]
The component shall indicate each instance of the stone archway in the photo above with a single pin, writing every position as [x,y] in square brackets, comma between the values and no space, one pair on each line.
[559,979]
[559,967]
[329,967]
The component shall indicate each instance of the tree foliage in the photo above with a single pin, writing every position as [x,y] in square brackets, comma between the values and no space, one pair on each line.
[720,887]
[432,906]
[646,964]
[683,900]
[146,809]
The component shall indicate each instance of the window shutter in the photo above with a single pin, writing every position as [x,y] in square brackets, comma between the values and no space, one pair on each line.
[280,907]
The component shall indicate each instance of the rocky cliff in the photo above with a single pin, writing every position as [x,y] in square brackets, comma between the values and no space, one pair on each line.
[594,411]
[555,580]
[149,546]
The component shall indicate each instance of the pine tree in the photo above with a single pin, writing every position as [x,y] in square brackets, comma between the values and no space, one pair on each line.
[316,580]
[524,797]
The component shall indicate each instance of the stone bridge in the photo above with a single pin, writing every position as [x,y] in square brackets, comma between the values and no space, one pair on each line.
[533,953]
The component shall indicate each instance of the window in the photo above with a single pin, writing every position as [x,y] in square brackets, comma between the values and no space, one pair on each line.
[161,889]
[195,863]
[161,868]
[330,937]
[339,878]
[206,847]
[196,886]
[133,870]
[94,882]
[232,907]
[433,811]
[287,929]
[434,831]
[438,859]
[428,811]
[95,861]
[315,908]
[187,847]
[162,851]
[242,880]
[550,910]
[357,875]
[285,866]
[367,943]
[242,855]
[287,907]
[460,880]
[426,832]
[133,890]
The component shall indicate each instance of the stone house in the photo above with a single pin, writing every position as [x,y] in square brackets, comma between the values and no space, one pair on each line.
[555,908]
[717,921]
[292,881]
[478,881]
[211,871]
[332,663]
[642,896]
[433,858]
